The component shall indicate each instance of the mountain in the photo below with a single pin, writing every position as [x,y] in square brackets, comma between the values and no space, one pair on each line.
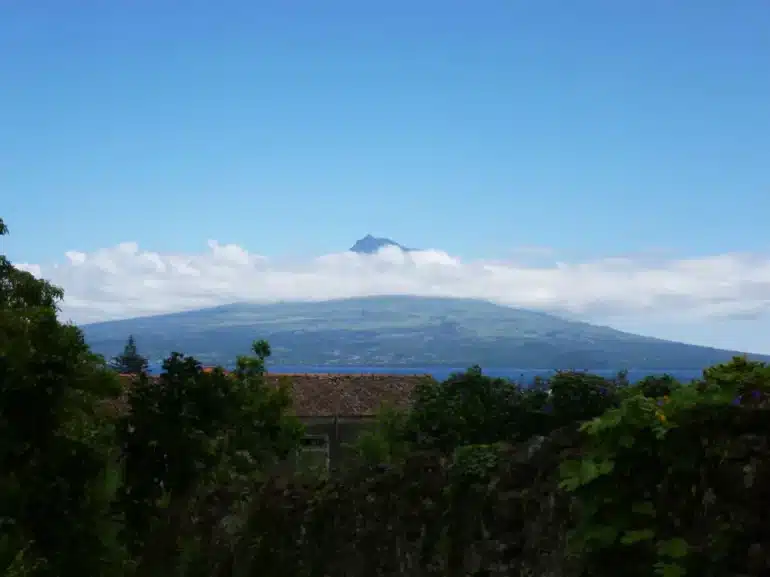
[406,331]
[370,245]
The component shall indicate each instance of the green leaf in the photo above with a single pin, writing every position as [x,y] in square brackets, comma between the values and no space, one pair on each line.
[569,468]
[605,467]
[626,441]
[631,537]
[588,470]
[644,508]
[669,570]
[602,535]
[675,548]
[570,485]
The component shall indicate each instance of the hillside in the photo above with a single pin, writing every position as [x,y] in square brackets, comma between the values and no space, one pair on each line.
[396,331]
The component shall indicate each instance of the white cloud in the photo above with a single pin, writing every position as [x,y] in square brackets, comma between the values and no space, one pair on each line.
[628,292]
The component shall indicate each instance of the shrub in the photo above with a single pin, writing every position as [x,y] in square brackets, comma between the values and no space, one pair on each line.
[55,447]
[187,433]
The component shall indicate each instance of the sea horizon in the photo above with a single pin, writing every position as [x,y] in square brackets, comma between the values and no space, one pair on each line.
[525,376]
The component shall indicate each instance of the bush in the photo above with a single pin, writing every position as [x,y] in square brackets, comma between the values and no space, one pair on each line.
[672,485]
[55,448]
[484,507]
[472,409]
[189,432]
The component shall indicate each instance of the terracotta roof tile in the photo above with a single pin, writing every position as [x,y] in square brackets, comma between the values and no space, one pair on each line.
[343,395]
[347,395]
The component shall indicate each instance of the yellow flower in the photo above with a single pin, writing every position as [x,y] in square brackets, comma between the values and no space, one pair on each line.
[662,417]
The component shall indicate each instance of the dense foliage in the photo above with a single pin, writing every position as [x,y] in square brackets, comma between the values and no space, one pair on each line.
[103,476]
[182,474]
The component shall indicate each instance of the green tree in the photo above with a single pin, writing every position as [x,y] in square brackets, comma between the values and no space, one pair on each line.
[387,442]
[55,447]
[130,362]
[470,408]
[577,396]
[740,376]
[657,385]
[190,432]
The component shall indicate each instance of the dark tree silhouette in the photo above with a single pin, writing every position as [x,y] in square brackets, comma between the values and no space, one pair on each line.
[130,362]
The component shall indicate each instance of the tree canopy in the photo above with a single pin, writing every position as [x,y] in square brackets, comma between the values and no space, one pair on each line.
[53,443]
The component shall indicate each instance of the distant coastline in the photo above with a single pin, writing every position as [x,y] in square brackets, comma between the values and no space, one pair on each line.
[412,333]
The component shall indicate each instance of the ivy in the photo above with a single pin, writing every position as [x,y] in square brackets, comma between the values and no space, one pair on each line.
[644,480]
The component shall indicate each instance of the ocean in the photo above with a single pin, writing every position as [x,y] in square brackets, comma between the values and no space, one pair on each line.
[524,376]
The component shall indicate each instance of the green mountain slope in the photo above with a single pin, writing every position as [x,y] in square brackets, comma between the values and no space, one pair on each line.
[398,331]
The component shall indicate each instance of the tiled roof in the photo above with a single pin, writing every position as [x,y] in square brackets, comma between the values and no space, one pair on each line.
[343,395]
[349,395]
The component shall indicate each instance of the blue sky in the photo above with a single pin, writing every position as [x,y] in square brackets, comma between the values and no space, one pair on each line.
[594,128]
[298,127]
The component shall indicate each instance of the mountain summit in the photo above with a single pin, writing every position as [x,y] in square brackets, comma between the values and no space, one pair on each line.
[370,245]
